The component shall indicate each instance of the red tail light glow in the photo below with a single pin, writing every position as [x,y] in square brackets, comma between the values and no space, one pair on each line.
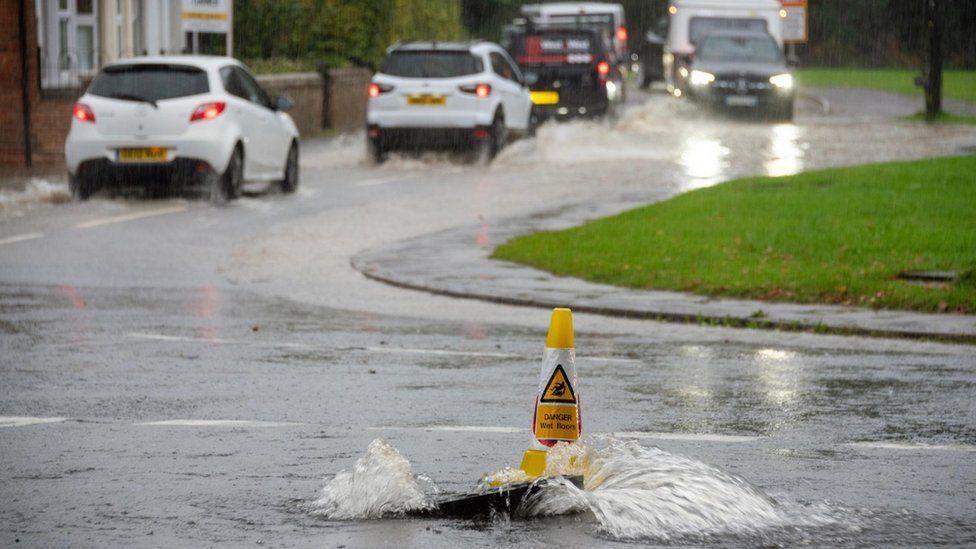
[375,90]
[622,33]
[603,68]
[208,111]
[481,90]
[84,113]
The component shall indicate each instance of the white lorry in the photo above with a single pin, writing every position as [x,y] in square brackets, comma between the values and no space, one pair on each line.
[692,20]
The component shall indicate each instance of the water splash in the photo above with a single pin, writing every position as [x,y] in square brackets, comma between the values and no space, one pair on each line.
[633,492]
[380,484]
[37,191]
[637,492]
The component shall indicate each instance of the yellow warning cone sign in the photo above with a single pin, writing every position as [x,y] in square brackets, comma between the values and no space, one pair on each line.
[556,416]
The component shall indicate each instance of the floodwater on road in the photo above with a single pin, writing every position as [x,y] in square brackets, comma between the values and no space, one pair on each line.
[176,374]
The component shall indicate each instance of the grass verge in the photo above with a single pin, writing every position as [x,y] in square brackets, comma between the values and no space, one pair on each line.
[944,118]
[833,236]
[956,84]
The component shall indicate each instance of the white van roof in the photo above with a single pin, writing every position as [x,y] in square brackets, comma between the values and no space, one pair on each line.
[728,4]
[571,8]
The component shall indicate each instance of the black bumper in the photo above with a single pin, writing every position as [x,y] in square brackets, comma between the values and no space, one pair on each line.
[178,173]
[390,139]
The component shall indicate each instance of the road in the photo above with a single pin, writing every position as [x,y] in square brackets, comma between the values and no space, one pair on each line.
[179,374]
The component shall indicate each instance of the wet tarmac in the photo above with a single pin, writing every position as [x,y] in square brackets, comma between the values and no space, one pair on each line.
[176,374]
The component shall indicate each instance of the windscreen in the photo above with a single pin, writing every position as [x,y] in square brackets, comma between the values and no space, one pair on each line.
[150,82]
[702,26]
[556,47]
[431,64]
[758,49]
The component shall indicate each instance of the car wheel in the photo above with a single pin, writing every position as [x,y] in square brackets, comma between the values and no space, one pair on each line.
[80,187]
[498,134]
[377,153]
[290,182]
[228,185]
[533,122]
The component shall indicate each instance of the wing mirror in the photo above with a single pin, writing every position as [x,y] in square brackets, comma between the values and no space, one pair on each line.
[283,103]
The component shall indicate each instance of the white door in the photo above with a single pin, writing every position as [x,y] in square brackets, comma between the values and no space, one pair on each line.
[511,89]
[271,138]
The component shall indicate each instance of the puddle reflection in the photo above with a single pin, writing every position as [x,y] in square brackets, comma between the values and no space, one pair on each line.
[785,151]
[705,160]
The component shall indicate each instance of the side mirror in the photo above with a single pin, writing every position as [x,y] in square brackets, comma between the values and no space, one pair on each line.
[283,103]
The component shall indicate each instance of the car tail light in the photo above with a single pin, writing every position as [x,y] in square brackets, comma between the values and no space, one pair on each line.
[481,90]
[375,90]
[84,113]
[208,111]
[622,33]
[603,68]
[480,133]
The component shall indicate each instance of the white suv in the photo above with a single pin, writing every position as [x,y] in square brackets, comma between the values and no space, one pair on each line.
[447,95]
[155,122]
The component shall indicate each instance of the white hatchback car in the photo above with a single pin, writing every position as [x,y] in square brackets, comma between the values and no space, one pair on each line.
[447,95]
[156,122]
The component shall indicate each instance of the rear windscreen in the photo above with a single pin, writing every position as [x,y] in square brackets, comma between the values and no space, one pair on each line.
[149,82]
[556,47]
[702,26]
[431,64]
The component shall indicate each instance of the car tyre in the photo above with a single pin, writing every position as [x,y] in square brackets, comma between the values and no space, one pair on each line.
[376,151]
[533,122]
[227,185]
[784,112]
[80,187]
[289,184]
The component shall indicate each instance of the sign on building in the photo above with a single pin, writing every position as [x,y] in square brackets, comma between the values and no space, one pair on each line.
[795,22]
[206,15]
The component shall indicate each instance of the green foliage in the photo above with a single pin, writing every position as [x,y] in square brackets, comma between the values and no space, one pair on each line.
[332,33]
[835,236]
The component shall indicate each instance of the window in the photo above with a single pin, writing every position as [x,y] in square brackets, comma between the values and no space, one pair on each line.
[501,67]
[255,93]
[757,49]
[151,82]
[431,64]
[240,83]
[701,26]
[85,38]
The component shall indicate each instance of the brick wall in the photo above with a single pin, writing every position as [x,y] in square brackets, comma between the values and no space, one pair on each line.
[50,116]
[11,116]
[345,98]
[306,90]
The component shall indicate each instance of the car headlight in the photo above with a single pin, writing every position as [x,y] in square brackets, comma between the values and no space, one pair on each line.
[700,78]
[782,81]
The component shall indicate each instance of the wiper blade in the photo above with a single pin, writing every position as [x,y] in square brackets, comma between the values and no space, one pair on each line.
[130,97]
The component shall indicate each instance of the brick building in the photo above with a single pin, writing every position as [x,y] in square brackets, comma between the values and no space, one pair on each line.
[50,48]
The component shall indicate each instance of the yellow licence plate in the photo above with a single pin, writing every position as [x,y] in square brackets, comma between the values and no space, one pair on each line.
[143,154]
[545,97]
[426,100]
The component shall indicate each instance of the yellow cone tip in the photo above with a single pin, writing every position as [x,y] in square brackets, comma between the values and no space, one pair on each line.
[560,330]
[534,463]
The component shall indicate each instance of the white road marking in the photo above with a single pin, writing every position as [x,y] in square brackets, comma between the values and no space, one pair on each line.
[23,421]
[131,216]
[913,446]
[454,428]
[695,437]
[408,351]
[214,340]
[217,423]
[375,181]
[20,238]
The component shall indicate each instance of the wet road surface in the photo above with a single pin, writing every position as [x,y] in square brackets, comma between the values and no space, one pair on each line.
[178,374]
